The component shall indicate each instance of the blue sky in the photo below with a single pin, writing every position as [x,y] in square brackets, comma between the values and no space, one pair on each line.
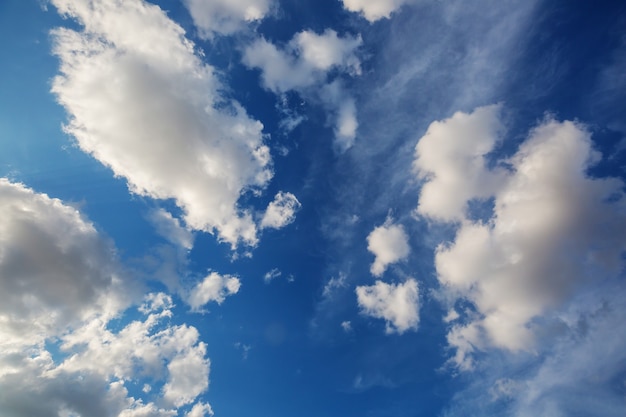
[314,208]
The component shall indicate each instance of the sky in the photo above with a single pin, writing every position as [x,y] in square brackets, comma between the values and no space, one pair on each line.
[319,208]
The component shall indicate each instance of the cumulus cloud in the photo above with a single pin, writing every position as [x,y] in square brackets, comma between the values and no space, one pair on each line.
[141,101]
[214,287]
[304,63]
[397,304]
[225,17]
[389,243]
[451,158]
[281,211]
[55,268]
[374,10]
[554,230]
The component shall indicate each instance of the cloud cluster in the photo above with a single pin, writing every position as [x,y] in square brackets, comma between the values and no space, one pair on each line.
[397,304]
[553,231]
[305,62]
[100,363]
[225,17]
[142,102]
[389,243]
[374,10]
[61,287]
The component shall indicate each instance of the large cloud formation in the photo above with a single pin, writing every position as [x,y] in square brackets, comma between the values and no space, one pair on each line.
[553,231]
[61,286]
[142,102]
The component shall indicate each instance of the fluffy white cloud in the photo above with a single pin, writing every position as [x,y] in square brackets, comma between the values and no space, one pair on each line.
[305,63]
[374,10]
[397,304]
[554,230]
[578,369]
[451,158]
[281,211]
[214,287]
[225,16]
[144,104]
[200,410]
[99,362]
[55,269]
[188,376]
[389,243]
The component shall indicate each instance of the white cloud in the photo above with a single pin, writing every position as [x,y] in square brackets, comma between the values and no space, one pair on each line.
[99,362]
[577,369]
[397,304]
[334,284]
[346,326]
[214,287]
[553,231]
[451,158]
[188,376]
[374,10]
[345,132]
[271,275]
[170,228]
[225,16]
[304,61]
[143,103]
[61,283]
[200,410]
[281,211]
[303,66]
[389,243]
[55,268]
[342,108]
